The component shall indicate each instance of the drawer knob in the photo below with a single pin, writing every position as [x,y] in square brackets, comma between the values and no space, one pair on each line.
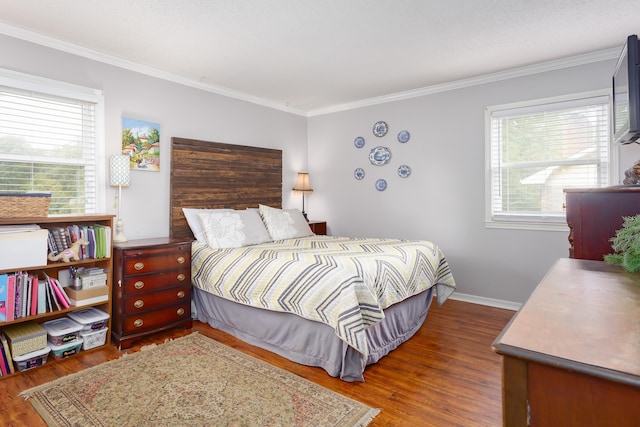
[138,304]
[139,284]
[181,277]
[181,294]
[138,323]
[181,260]
[180,311]
[138,265]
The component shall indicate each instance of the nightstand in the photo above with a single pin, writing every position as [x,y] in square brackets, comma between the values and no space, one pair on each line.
[151,288]
[318,227]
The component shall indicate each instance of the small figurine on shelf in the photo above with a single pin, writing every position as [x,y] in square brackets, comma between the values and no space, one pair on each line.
[70,254]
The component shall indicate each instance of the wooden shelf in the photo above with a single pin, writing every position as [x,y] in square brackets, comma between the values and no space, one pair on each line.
[52,268]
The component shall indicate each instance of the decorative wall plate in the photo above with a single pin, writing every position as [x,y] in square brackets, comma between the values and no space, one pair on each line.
[381,184]
[379,156]
[404,171]
[380,129]
[358,173]
[403,136]
[359,142]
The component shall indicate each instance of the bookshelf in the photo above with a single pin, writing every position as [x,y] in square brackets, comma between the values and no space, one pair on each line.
[51,268]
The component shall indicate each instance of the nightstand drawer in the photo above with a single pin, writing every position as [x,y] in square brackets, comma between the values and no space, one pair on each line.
[154,319]
[146,302]
[151,282]
[163,260]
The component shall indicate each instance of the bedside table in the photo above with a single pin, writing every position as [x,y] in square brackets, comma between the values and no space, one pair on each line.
[151,288]
[318,227]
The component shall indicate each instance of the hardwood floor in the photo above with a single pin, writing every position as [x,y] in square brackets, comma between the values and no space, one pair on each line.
[446,375]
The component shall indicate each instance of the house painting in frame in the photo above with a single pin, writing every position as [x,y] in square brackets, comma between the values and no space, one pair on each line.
[141,142]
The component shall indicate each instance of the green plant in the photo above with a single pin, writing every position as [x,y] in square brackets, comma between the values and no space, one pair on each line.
[626,244]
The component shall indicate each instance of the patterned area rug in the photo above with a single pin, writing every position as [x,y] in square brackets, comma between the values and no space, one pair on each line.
[192,381]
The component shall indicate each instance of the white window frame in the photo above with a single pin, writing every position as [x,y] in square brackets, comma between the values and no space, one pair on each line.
[37,84]
[537,222]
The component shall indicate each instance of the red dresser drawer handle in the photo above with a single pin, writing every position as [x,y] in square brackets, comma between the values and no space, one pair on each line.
[180,311]
[181,294]
[139,284]
[181,260]
[181,277]
[138,304]
[138,265]
[138,323]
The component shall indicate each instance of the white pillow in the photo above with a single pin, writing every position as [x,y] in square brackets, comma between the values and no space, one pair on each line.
[233,229]
[222,229]
[254,229]
[285,223]
[195,224]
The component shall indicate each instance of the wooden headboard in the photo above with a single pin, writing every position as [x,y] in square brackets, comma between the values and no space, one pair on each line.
[213,175]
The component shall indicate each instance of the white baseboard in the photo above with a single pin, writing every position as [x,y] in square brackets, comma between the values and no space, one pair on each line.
[508,305]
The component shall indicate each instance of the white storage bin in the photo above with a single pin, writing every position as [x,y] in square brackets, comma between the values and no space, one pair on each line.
[90,318]
[62,330]
[92,339]
[33,359]
[67,349]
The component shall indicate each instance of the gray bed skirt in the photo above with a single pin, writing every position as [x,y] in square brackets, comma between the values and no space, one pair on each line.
[312,343]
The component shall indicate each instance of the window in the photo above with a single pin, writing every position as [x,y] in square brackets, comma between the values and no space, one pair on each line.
[539,148]
[49,143]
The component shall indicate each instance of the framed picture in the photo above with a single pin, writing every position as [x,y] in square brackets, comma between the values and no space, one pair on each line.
[141,142]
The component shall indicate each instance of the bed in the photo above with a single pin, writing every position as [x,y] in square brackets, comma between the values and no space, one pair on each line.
[339,303]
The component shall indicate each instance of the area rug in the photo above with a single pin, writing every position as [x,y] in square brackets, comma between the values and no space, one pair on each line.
[192,381]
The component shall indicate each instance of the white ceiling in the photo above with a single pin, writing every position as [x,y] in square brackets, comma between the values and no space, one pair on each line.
[309,56]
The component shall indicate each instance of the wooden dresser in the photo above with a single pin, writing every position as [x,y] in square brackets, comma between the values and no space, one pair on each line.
[594,215]
[151,288]
[571,355]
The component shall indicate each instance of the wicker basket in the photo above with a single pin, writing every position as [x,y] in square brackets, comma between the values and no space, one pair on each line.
[21,205]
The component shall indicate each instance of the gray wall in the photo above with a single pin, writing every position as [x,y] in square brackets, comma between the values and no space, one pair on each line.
[444,198]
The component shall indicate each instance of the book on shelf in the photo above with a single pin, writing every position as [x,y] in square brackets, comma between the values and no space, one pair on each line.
[4,362]
[59,297]
[4,281]
[98,236]
[11,297]
[7,352]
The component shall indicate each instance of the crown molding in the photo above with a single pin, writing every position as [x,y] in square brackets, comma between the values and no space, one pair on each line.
[95,55]
[74,49]
[588,58]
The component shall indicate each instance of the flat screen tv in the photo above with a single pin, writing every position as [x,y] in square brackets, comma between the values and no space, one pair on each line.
[626,94]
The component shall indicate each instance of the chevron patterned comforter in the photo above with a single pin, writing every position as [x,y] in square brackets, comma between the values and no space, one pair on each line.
[340,281]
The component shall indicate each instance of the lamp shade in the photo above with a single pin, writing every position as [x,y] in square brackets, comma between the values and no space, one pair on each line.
[303,184]
[119,170]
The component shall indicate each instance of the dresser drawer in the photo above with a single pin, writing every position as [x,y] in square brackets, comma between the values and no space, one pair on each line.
[141,322]
[161,260]
[150,282]
[145,302]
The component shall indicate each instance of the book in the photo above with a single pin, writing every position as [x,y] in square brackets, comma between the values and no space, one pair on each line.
[33,310]
[4,278]
[60,296]
[4,362]
[51,243]
[26,294]
[54,301]
[7,351]
[18,301]
[42,295]
[11,297]
[62,293]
